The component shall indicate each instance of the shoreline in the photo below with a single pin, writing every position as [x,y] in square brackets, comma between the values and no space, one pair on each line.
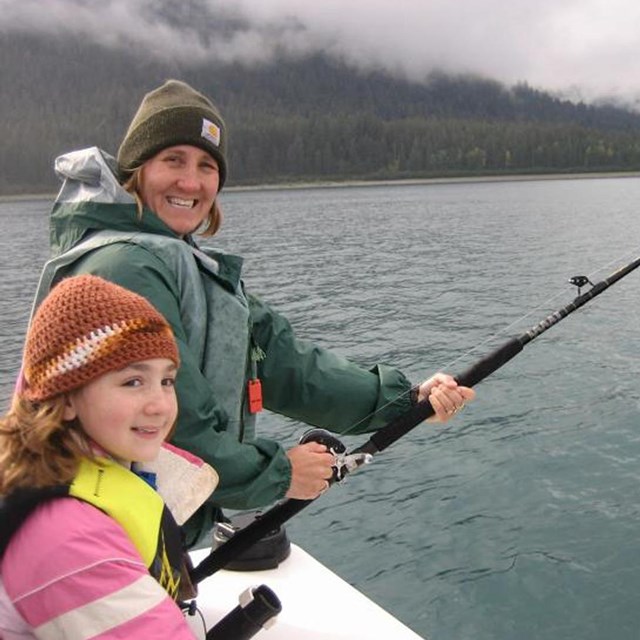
[332,184]
[440,180]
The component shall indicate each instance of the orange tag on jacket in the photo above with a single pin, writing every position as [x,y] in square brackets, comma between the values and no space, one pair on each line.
[255,396]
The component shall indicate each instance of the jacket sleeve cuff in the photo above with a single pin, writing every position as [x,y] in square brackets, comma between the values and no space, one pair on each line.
[395,395]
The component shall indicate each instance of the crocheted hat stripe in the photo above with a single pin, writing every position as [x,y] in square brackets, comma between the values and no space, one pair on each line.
[99,343]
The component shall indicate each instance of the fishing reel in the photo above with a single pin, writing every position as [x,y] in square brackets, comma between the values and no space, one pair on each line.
[344,463]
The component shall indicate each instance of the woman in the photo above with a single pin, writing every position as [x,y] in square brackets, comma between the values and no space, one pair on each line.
[133,224]
[87,547]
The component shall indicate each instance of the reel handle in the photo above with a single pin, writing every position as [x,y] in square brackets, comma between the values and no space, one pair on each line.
[334,446]
[322,436]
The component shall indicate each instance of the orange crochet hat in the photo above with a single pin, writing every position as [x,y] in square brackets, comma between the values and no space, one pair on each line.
[86,327]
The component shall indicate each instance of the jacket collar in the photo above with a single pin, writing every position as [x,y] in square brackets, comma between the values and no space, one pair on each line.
[92,199]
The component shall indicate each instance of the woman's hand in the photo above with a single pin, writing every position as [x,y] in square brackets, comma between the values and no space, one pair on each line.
[445,395]
[311,469]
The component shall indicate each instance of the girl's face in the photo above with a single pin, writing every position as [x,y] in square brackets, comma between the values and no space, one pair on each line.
[179,184]
[129,412]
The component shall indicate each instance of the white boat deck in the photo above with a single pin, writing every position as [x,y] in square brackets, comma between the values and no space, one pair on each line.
[316,603]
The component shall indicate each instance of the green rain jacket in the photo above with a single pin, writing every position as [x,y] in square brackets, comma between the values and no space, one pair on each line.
[225,337]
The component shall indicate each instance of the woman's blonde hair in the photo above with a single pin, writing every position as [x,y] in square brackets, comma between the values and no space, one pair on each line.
[37,447]
[133,185]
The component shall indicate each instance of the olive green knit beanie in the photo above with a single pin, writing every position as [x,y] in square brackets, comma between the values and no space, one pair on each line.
[174,114]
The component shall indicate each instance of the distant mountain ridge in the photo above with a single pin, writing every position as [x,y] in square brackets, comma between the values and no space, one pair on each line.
[307,119]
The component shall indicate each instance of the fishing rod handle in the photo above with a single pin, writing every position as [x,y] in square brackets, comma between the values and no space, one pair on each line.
[386,436]
[257,610]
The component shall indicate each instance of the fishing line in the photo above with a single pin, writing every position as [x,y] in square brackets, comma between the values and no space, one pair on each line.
[499,333]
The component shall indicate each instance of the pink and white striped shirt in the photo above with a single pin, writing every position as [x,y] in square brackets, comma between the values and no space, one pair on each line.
[72,572]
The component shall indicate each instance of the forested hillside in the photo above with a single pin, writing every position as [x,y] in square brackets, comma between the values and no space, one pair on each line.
[300,120]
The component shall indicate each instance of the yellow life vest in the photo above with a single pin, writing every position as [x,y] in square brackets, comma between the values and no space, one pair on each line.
[131,502]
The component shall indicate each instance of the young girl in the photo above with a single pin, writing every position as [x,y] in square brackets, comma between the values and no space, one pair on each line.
[87,547]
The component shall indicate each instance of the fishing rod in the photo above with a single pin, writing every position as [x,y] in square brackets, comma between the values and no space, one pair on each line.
[346,463]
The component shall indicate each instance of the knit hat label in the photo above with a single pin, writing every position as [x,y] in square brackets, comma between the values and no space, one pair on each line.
[210,132]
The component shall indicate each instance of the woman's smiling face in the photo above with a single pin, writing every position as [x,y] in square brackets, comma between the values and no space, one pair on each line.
[179,184]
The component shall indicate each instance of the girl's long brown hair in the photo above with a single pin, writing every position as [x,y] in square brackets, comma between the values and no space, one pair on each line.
[37,447]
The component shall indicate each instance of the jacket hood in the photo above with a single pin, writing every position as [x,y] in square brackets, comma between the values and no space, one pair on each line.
[92,199]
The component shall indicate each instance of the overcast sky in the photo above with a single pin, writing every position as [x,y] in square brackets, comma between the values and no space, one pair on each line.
[581,48]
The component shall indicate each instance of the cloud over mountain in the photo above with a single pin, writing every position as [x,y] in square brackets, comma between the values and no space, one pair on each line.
[576,47]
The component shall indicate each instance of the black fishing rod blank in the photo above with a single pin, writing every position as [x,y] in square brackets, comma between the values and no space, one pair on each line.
[387,435]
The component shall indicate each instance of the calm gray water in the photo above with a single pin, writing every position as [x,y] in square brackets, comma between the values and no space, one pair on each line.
[518,520]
